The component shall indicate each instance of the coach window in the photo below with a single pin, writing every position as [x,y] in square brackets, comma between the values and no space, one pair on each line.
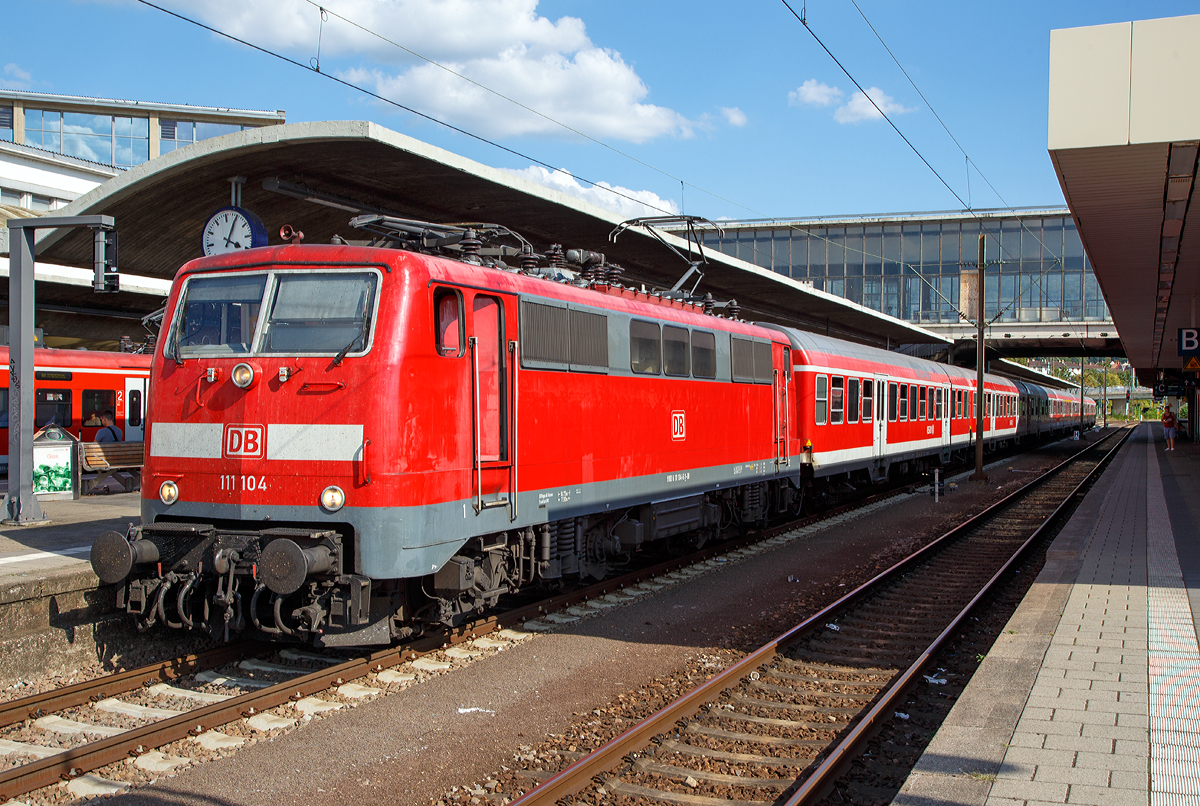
[95,403]
[852,401]
[133,408]
[868,399]
[938,397]
[903,402]
[52,407]
[921,401]
[891,403]
[821,400]
[644,348]
[912,402]
[675,351]
[450,337]
[704,354]
[837,399]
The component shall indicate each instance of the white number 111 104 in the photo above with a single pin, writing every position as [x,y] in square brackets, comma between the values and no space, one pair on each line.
[230,481]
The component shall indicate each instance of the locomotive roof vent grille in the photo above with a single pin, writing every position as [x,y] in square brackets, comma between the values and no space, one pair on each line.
[589,339]
[553,334]
[544,333]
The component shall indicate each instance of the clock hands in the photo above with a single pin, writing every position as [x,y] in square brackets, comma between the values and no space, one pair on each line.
[229,238]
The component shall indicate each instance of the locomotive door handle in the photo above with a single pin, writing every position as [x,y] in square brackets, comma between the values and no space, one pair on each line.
[365,469]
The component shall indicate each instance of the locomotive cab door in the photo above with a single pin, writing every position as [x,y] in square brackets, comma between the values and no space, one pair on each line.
[491,324]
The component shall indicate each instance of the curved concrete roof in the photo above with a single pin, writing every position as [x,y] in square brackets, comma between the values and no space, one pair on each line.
[161,206]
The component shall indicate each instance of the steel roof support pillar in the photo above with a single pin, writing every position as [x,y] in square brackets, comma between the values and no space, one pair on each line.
[21,507]
[20,504]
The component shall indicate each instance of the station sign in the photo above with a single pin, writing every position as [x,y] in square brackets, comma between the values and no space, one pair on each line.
[1189,341]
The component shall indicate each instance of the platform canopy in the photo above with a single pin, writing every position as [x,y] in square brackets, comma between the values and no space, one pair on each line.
[315,176]
[1124,132]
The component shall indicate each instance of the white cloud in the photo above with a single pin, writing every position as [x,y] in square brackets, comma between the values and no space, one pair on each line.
[733,116]
[860,108]
[814,93]
[630,203]
[549,65]
[14,78]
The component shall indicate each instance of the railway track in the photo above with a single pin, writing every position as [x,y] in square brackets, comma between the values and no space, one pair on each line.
[65,733]
[781,725]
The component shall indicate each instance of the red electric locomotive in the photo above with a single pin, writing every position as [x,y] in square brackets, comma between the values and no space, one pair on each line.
[353,443]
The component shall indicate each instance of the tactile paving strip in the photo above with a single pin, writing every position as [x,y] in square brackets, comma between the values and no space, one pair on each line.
[1174,658]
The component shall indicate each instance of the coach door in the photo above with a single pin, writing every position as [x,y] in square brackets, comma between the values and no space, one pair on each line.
[780,379]
[493,400]
[947,394]
[880,416]
[135,410]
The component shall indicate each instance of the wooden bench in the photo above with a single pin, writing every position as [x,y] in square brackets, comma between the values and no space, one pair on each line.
[107,459]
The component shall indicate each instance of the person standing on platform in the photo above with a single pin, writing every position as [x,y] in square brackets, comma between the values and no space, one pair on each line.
[108,428]
[1168,424]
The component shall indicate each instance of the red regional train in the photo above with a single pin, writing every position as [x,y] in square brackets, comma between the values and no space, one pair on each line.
[352,444]
[72,388]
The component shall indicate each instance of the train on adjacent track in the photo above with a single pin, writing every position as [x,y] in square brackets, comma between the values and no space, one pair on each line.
[72,388]
[355,443]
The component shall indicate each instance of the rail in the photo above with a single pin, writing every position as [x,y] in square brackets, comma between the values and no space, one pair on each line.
[607,757]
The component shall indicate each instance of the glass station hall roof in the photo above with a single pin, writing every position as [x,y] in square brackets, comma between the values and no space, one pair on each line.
[908,266]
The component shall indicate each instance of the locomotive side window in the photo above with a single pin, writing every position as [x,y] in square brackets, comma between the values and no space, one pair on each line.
[95,402]
[852,401]
[328,312]
[447,306]
[704,354]
[837,399]
[868,401]
[52,407]
[218,315]
[675,351]
[903,402]
[821,400]
[891,402]
[644,349]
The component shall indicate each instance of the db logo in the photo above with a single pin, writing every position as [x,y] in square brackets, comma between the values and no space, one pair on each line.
[242,442]
[678,428]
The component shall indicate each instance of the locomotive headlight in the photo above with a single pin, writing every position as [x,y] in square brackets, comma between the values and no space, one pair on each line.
[168,492]
[332,499]
[242,376]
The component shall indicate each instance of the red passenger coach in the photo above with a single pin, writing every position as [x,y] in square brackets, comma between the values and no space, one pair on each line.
[72,388]
[352,444]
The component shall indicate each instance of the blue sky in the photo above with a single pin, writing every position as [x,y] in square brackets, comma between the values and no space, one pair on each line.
[736,100]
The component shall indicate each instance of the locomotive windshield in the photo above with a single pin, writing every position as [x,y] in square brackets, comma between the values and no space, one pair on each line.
[306,313]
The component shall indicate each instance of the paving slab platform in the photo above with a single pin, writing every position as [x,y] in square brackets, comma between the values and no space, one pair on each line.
[1091,695]
[52,611]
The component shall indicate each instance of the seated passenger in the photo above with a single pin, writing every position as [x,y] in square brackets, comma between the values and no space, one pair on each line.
[92,420]
[110,432]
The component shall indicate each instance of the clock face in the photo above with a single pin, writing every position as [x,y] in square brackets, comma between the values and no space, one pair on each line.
[231,229]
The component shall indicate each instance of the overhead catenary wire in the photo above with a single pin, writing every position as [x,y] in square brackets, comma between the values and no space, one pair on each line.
[803,19]
[351,85]
[515,102]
